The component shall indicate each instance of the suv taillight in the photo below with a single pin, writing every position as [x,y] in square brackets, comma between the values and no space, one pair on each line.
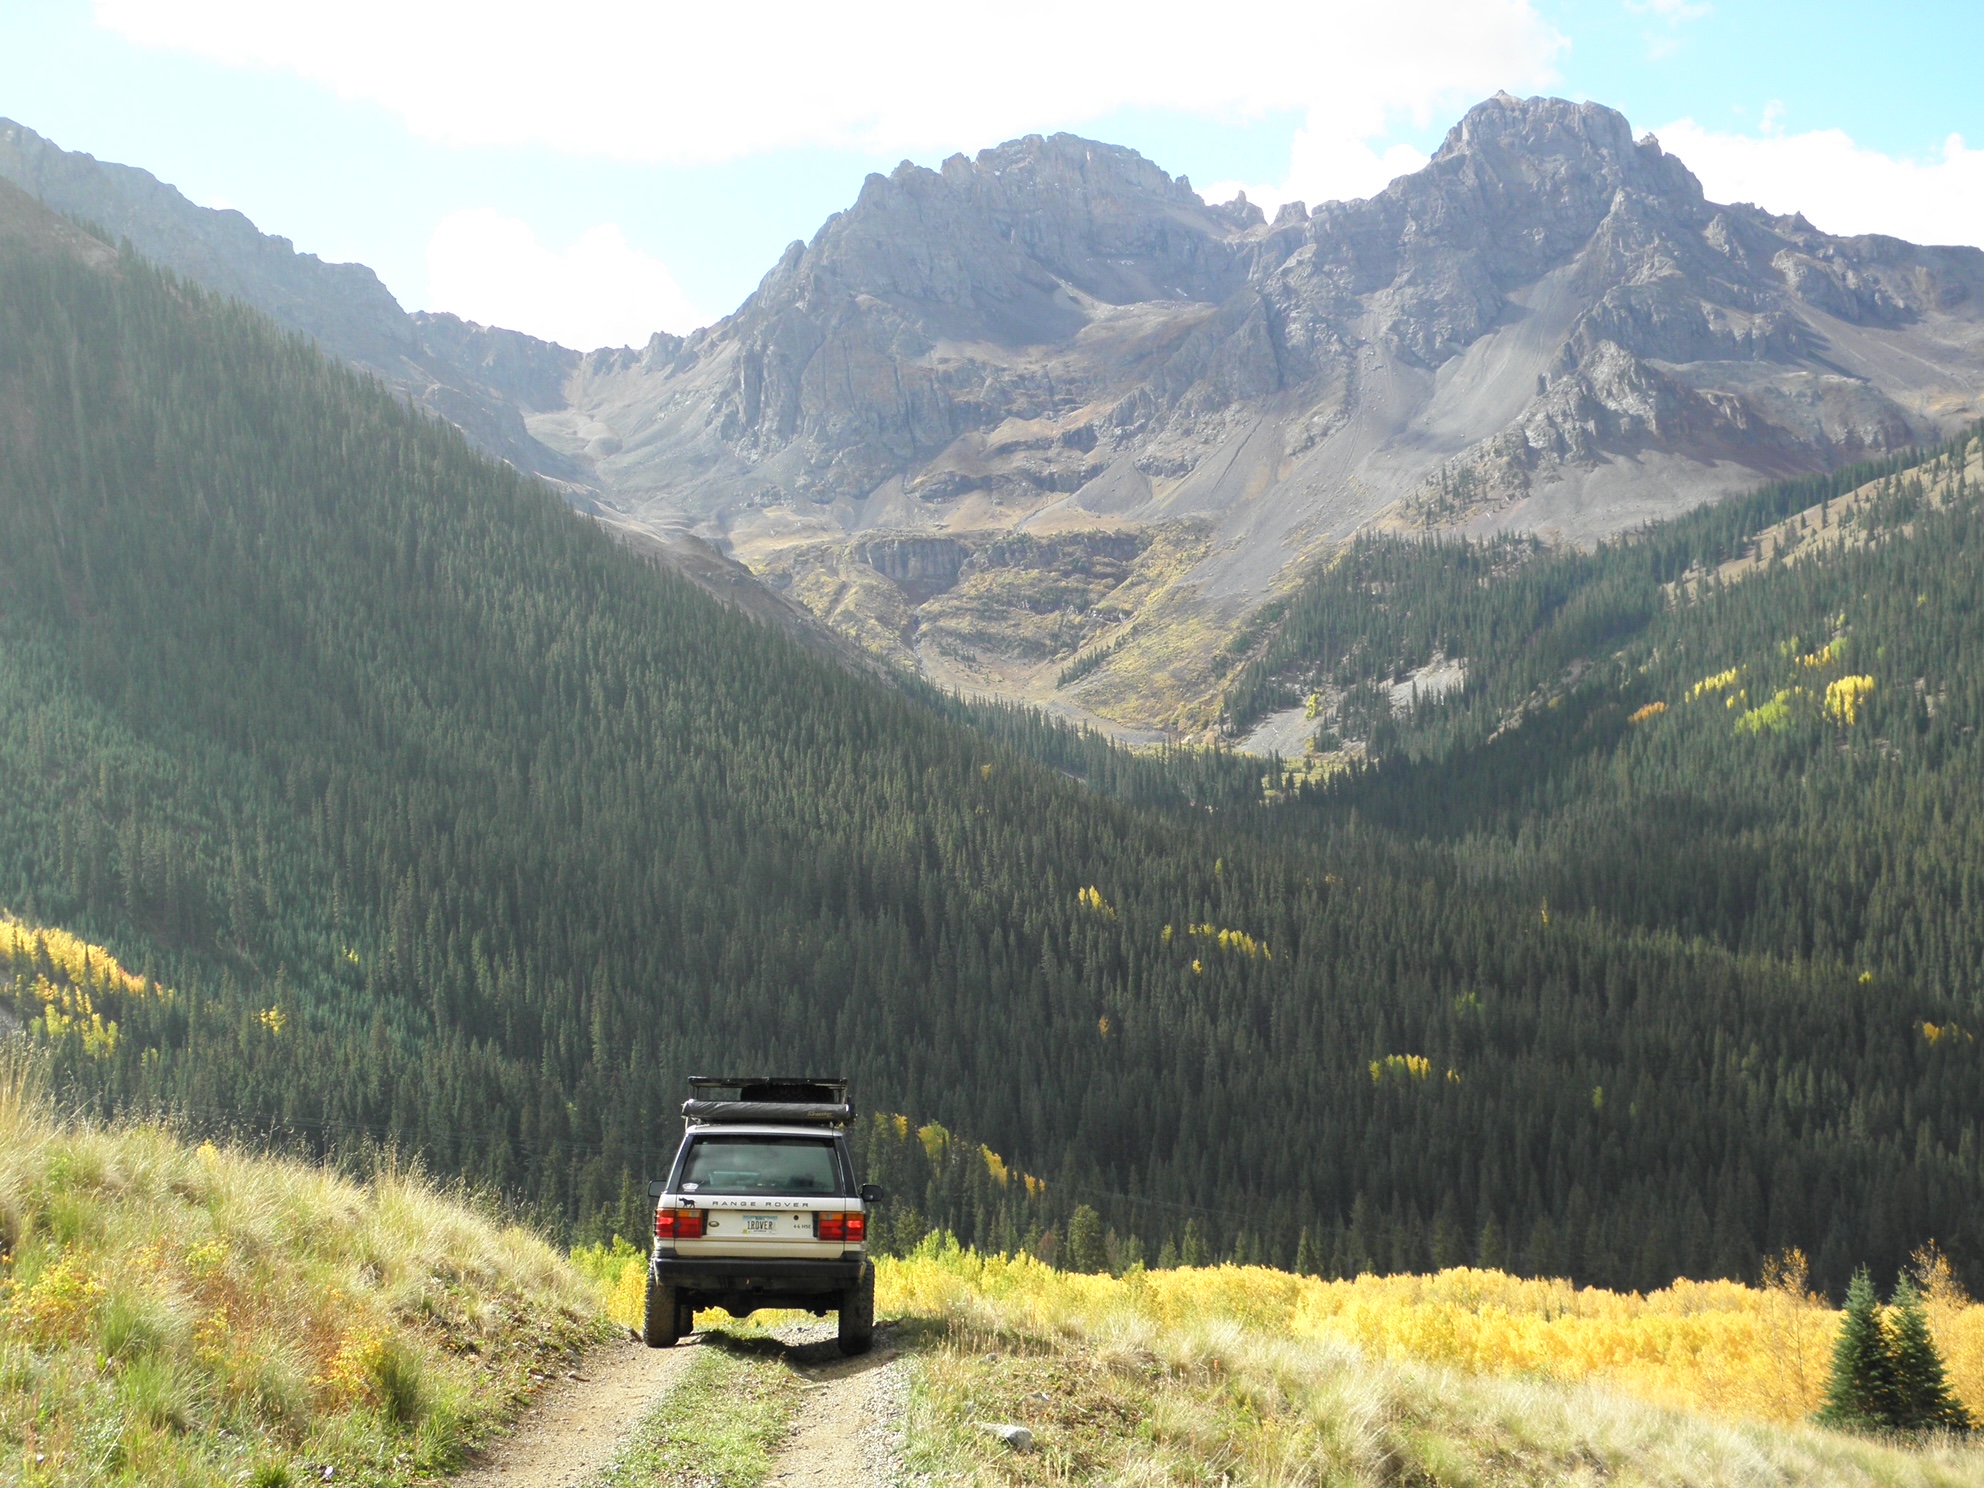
[678,1224]
[850,1228]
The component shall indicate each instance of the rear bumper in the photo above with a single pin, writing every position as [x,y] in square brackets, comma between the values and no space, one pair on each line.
[740,1275]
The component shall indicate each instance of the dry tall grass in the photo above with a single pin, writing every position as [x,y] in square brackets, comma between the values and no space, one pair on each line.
[172,1313]
[1253,1376]
[1720,1347]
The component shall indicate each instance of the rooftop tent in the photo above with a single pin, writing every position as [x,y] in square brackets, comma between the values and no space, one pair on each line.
[772,1099]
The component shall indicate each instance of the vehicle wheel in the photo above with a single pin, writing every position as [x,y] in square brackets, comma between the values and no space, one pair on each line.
[660,1328]
[685,1319]
[857,1313]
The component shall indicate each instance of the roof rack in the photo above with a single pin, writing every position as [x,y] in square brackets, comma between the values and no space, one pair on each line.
[806,1100]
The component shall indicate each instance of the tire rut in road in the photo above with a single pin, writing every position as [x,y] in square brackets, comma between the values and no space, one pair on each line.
[574,1428]
[849,1427]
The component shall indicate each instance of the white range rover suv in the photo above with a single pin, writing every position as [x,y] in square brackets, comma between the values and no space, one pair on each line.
[761,1209]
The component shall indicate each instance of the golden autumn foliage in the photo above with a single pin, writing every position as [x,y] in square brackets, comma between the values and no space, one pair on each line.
[1720,682]
[1719,1348]
[1091,900]
[74,983]
[1651,710]
[1843,699]
[1834,650]
[1237,941]
[1400,1066]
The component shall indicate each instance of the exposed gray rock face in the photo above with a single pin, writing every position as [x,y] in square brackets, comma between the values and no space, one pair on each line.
[481,380]
[1549,327]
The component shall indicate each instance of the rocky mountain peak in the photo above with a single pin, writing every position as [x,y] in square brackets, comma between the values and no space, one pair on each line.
[1547,327]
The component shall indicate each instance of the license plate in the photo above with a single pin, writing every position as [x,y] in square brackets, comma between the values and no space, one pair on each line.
[759,1224]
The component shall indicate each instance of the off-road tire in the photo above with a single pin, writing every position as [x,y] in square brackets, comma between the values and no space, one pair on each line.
[857,1313]
[661,1326]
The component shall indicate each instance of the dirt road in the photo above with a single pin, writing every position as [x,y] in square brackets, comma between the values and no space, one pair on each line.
[574,1428]
[848,1433]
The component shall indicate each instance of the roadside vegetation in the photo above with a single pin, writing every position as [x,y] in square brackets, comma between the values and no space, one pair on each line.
[180,1313]
[1246,1375]
[722,1426]
[188,1314]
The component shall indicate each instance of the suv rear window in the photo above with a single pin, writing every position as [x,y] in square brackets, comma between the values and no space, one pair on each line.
[760,1165]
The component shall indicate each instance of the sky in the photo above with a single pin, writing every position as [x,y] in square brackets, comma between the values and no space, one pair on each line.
[590,171]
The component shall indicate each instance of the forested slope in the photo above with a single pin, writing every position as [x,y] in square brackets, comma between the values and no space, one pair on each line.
[1758,726]
[446,822]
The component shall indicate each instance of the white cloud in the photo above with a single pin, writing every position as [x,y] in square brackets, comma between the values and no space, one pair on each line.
[1841,186]
[652,81]
[601,291]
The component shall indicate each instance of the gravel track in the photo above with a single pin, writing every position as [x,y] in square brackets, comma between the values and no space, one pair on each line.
[574,1428]
[849,1427]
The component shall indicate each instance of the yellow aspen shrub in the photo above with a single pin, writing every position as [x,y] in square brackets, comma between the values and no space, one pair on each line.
[1723,1348]
[1956,1324]
[1843,698]
[1720,682]
[1401,1066]
[1651,710]
[1773,717]
[936,1141]
[84,965]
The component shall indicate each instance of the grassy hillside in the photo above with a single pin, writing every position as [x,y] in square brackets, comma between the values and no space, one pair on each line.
[1253,1376]
[447,823]
[173,1312]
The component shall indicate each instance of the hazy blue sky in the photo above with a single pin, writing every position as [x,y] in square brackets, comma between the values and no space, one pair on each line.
[594,169]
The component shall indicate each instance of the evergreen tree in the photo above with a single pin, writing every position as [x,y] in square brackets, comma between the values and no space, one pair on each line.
[1922,1394]
[1085,1250]
[1862,1394]
[1193,1250]
[1306,1261]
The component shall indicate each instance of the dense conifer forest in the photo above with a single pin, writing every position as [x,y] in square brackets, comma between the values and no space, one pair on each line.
[424,815]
